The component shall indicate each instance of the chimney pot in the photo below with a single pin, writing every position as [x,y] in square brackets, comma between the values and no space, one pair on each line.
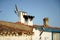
[45,20]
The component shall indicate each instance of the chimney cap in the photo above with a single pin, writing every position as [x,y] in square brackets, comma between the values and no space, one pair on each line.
[46,18]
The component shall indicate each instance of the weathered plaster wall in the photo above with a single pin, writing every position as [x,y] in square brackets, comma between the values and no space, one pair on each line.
[46,36]
[23,37]
[36,34]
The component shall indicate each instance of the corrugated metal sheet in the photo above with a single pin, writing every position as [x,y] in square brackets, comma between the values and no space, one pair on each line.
[56,36]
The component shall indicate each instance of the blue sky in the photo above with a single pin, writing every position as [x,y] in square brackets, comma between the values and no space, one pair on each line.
[37,8]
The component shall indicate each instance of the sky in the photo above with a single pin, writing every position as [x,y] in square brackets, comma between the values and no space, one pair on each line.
[37,8]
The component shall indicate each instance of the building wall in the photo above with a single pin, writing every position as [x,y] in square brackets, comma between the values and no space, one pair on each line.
[46,36]
[36,34]
[43,36]
[23,37]
[56,36]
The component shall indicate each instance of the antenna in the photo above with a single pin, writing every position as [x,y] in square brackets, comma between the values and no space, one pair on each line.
[16,7]
[16,10]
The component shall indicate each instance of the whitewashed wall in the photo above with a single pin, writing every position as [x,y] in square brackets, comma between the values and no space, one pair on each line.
[25,37]
[36,34]
[46,36]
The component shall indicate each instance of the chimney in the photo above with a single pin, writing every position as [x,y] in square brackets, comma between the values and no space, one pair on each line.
[45,20]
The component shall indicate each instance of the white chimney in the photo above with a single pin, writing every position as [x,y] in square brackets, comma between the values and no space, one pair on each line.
[20,16]
[30,20]
[24,18]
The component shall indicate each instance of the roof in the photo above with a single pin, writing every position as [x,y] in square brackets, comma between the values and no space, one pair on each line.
[15,26]
[47,28]
[21,27]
